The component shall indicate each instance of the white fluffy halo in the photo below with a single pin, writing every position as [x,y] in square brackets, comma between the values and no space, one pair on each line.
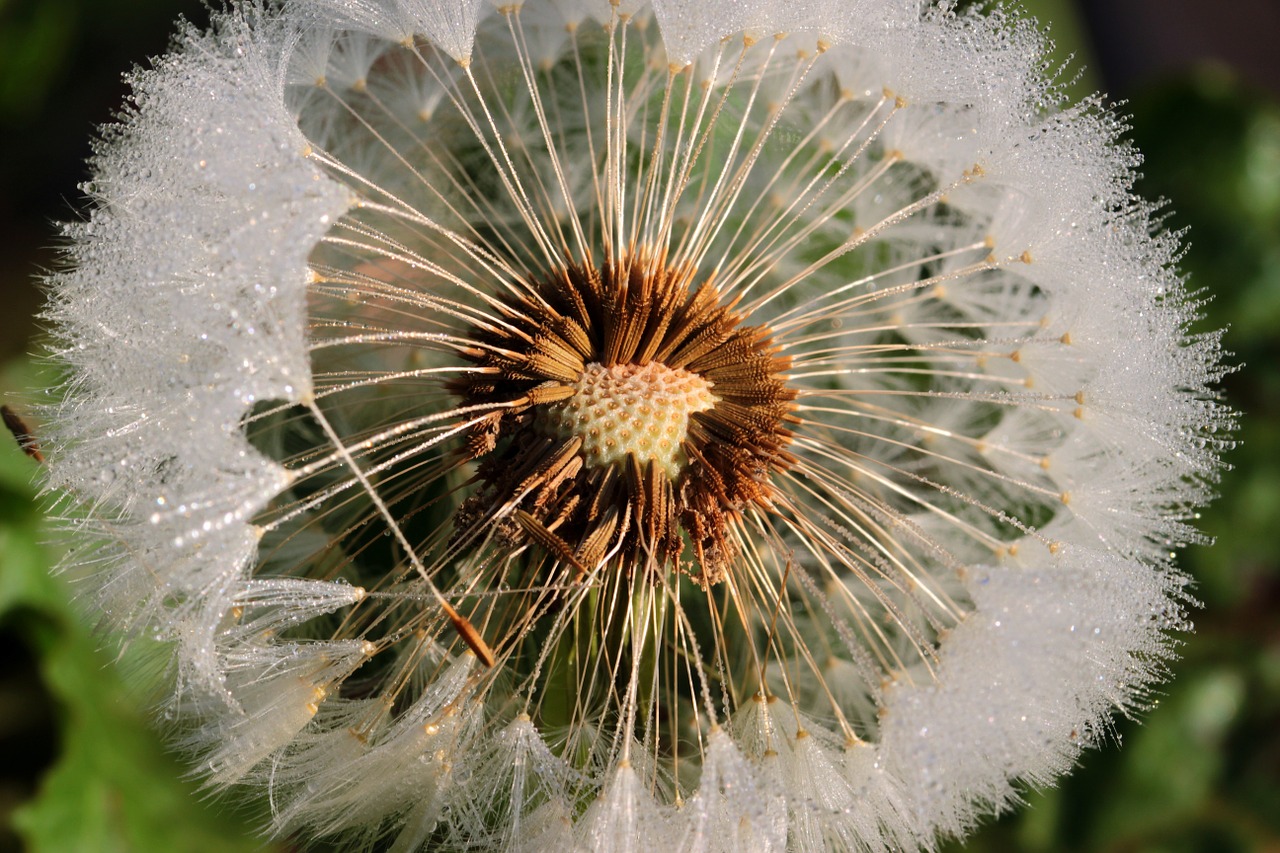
[910,552]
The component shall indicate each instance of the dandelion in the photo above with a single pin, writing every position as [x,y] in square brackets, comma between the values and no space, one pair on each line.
[608,426]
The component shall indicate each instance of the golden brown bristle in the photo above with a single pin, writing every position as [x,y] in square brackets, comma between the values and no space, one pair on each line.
[650,356]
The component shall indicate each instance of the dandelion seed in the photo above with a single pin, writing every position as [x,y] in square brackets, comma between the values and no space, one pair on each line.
[601,426]
[21,433]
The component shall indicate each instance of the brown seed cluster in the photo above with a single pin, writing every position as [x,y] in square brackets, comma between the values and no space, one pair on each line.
[572,479]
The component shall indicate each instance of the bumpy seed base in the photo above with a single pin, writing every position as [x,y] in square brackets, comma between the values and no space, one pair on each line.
[642,409]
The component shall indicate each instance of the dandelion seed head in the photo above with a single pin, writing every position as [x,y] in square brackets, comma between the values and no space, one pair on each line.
[633,405]
[722,426]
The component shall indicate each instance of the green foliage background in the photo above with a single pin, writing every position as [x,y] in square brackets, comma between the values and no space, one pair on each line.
[80,770]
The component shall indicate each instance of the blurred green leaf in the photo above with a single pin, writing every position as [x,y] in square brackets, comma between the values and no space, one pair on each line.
[33,48]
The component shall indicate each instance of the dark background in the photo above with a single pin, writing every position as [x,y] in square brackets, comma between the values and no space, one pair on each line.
[1201,81]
